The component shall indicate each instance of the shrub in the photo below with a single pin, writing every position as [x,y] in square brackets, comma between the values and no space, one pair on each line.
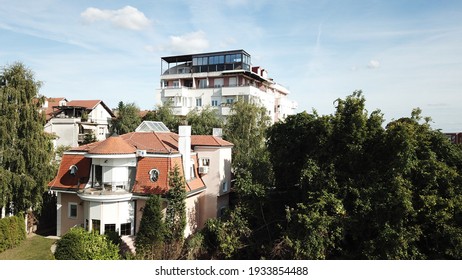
[12,232]
[79,244]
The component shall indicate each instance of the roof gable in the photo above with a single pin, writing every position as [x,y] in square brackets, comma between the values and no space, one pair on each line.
[64,179]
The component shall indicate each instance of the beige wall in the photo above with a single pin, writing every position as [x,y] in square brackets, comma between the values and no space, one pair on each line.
[66,222]
[219,172]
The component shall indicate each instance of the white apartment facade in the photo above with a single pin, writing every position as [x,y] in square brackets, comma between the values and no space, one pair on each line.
[217,79]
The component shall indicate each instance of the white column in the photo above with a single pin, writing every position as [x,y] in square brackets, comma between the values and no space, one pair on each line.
[184,147]
[58,214]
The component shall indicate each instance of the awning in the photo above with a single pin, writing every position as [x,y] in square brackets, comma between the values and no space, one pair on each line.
[90,127]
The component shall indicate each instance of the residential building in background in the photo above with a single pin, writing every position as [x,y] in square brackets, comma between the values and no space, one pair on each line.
[104,185]
[218,79]
[70,121]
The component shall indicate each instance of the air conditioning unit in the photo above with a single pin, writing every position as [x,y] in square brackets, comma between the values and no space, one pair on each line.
[140,153]
[203,169]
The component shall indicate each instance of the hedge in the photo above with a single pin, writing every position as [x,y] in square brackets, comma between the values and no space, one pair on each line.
[12,232]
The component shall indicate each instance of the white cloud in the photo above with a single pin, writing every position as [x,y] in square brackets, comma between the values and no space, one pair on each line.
[373,64]
[127,17]
[188,43]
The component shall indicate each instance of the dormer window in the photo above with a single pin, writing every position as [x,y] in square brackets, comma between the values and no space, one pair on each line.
[153,175]
[73,170]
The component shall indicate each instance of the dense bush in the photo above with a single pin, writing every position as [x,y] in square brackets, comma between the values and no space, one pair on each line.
[12,232]
[78,244]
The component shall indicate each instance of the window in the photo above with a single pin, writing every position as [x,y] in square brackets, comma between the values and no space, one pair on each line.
[97,175]
[125,229]
[232,81]
[214,103]
[72,214]
[101,131]
[193,170]
[202,83]
[198,102]
[176,84]
[109,227]
[73,170]
[224,187]
[204,162]
[229,100]
[154,175]
[218,82]
[96,225]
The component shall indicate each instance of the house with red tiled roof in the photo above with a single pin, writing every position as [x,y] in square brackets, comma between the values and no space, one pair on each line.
[72,120]
[104,185]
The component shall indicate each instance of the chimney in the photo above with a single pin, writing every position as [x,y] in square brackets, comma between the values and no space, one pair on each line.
[217,132]
[184,147]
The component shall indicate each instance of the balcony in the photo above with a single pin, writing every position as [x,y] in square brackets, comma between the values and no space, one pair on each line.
[108,191]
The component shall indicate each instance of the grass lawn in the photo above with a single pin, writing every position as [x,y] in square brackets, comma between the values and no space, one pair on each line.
[35,247]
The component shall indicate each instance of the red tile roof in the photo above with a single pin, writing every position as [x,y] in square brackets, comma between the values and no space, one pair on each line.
[209,140]
[52,101]
[112,145]
[67,181]
[89,104]
[153,142]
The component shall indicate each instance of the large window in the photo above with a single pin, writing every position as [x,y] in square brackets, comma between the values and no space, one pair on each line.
[125,229]
[232,81]
[109,227]
[95,225]
[202,83]
[198,102]
[72,213]
[218,82]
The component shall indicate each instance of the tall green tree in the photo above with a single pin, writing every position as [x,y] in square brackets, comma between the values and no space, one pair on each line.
[26,151]
[128,118]
[202,122]
[175,217]
[246,127]
[359,190]
[151,234]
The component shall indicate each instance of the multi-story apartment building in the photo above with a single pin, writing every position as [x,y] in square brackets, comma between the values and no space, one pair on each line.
[218,79]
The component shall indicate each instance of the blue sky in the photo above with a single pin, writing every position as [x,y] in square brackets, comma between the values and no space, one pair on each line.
[402,54]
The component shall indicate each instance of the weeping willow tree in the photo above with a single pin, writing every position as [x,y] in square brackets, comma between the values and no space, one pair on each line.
[26,151]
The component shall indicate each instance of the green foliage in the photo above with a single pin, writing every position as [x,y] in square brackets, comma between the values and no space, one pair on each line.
[193,247]
[79,244]
[225,239]
[26,151]
[164,113]
[12,232]
[175,218]
[89,138]
[150,236]
[246,128]
[353,189]
[128,118]
[202,122]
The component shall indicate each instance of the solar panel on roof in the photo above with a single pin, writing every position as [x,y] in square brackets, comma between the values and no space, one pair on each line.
[152,126]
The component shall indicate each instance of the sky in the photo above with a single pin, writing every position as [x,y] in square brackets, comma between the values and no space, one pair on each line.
[402,54]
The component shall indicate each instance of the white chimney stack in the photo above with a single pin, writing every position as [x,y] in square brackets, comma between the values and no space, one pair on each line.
[218,132]
[184,147]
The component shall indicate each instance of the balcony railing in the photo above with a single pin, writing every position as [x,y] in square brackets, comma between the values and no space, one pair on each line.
[112,186]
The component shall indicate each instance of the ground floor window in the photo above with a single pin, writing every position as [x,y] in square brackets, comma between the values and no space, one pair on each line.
[96,225]
[109,227]
[125,229]
[72,210]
